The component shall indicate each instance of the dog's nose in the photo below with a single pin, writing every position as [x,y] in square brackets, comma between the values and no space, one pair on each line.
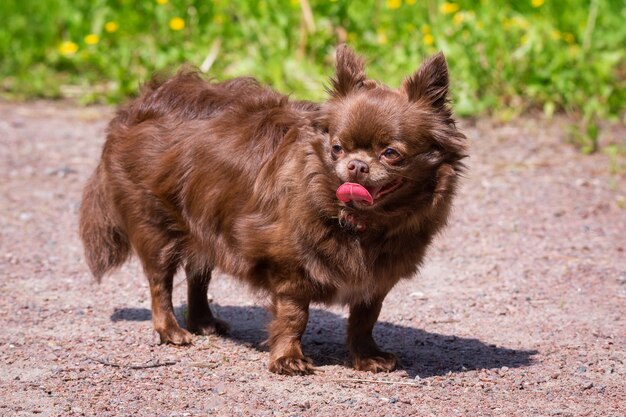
[357,167]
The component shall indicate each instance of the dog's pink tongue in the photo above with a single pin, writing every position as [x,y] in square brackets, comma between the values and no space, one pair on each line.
[350,191]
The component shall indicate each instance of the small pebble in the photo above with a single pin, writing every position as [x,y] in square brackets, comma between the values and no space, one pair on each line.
[419,295]
[25,217]
[219,389]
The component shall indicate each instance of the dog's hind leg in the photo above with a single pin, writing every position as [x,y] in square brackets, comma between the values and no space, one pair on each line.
[160,260]
[200,319]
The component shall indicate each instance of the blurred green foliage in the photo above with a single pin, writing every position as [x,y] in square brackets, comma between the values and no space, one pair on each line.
[505,57]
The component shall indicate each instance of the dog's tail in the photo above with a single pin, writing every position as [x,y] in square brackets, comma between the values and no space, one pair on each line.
[105,242]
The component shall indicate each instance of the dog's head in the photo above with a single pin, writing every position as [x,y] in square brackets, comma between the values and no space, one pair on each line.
[391,149]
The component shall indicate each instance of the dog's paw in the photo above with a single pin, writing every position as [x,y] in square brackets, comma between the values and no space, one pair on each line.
[175,336]
[289,365]
[377,362]
[208,327]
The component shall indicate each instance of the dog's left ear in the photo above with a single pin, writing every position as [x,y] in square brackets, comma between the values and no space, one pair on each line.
[320,121]
[430,82]
[349,74]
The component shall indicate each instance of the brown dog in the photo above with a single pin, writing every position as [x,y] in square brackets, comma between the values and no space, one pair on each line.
[325,203]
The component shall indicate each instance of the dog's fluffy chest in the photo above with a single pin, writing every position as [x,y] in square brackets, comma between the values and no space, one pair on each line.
[354,292]
[355,272]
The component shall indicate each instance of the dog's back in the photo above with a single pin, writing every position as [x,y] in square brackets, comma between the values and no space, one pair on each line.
[235,127]
[162,102]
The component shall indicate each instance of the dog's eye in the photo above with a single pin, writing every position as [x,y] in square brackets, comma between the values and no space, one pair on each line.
[391,154]
[337,149]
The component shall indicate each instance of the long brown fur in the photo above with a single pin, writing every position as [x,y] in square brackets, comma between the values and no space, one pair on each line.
[235,176]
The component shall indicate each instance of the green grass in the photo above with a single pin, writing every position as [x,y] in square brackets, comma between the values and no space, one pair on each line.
[505,57]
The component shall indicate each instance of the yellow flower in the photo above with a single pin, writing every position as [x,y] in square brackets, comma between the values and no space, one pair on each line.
[162,2]
[218,19]
[536,3]
[381,37]
[428,39]
[92,39]
[520,22]
[410,2]
[425,29]
[394,4]
[68,48]
[111,27]
[555,35]
[458,18]
[177,23]
[524,39]
[294,2]
[449,8]
[569,38]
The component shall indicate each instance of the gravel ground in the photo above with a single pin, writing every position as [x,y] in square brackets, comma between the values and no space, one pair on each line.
[519,310]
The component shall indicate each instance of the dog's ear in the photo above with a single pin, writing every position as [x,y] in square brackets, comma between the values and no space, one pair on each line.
[320,121]
[430,82]
[349,74]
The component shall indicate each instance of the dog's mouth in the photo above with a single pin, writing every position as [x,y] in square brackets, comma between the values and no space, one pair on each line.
[368,195]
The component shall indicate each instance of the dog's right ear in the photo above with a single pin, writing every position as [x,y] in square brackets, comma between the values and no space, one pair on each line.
[349,73]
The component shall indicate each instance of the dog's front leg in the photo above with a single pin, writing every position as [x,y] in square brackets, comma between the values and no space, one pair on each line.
[365,354]
[291,314]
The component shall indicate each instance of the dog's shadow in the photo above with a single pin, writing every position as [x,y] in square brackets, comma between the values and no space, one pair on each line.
[419,352]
